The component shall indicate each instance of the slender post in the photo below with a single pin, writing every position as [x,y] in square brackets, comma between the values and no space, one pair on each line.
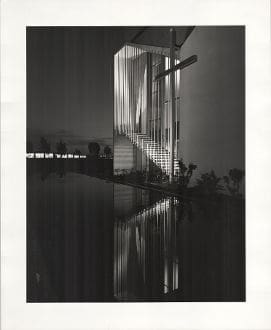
[149,105]
[172,97]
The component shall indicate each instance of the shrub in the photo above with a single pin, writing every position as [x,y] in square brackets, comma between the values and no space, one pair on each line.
[209,183]
[233,180]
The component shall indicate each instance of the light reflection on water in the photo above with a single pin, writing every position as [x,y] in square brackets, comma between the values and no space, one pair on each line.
[93,240]
[146,261]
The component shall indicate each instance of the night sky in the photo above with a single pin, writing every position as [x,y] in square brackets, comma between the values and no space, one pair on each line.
[70,89]
[70,83]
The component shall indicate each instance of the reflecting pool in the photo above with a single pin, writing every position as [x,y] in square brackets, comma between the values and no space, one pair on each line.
[91,240]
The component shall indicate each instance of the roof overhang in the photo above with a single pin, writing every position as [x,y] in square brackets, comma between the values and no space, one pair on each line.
[154,49]
[156,40]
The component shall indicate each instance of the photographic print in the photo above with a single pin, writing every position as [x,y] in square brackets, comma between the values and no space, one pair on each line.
[135,185]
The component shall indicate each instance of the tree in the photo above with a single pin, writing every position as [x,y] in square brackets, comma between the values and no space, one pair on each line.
[209,183]
[77,152]
[44,145]
[107,151]
[94,149]
[61,147]
[233,180]
[185,173]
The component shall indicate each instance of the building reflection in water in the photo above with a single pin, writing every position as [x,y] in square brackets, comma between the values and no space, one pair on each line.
[146,262]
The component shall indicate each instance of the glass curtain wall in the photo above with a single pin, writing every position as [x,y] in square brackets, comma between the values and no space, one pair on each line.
[130,89]
[142,103]
[166,107]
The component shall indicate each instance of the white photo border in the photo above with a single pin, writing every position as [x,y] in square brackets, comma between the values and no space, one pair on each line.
[16,313]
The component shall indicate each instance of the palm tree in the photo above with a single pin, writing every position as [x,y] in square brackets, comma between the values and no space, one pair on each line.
[94,149]
[185,173]
[233,180]
[77,152]
[209,183]
[107,151]
[61,147]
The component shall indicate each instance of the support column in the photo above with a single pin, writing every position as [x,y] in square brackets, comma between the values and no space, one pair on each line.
[149,90]
[149,105]
[172,103]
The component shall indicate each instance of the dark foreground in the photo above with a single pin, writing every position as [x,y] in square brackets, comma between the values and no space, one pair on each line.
[89,240]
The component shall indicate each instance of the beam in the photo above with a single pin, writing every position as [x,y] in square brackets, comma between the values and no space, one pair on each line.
[188,61]
[138,34]
[164,51]
[172,99]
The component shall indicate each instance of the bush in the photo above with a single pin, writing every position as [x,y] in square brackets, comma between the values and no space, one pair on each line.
[234,180]
[208,183]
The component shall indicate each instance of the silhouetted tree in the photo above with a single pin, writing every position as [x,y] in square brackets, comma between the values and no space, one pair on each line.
[29,147]
[233,180]
[77,152]
[209,183]
[94,149]
[185,173]
[61,147]
[107,151]
[44,145]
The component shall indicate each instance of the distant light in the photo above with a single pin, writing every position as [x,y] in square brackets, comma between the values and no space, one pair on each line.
[52,155]
[49,155]
[30,155]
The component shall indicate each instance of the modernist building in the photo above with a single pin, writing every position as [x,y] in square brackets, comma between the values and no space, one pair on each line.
[206,102]
[170,105]
[145,133]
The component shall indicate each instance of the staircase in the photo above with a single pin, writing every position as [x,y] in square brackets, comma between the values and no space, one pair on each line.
[159,155]
[157,208]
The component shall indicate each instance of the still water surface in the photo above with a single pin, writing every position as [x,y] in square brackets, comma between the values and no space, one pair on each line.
[91,240]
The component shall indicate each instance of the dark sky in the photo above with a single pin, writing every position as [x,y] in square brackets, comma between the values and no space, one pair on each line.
[70,88]
[70,83]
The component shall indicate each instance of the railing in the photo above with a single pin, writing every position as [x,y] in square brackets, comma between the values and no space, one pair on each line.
[154,151]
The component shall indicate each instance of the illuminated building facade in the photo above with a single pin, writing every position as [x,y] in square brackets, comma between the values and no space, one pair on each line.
[142,103]
[206,103]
